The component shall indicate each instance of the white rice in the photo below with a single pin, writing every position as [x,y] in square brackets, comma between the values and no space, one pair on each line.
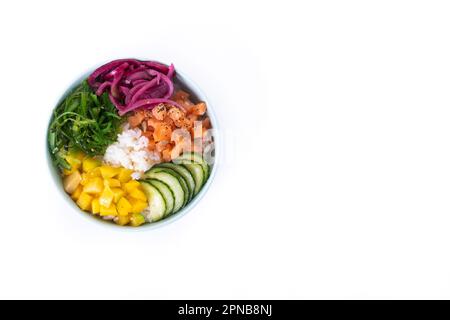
[130,151]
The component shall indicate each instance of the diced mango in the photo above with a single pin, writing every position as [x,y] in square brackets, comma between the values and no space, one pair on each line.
[107,197]
[109,172]
[72,181]
[77,154]
[123,220]
[106,190]
[108,211]
[137,206]
[69,172]
[84,201]
[95,206]
[90,164]
[137,219]
[124,175]
[111,182]
[138,194]
[74,162]
[93,186]
[76,194]
[131,185]
[95,173]
[74,159]
[118,193]
[123,207]
[86,176]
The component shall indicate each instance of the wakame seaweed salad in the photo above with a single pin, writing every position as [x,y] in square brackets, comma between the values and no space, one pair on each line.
[82,121]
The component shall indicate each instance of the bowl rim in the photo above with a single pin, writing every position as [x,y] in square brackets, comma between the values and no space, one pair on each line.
[194,88]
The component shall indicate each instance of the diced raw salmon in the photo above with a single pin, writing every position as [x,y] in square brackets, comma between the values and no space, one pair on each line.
[136,119]
[199,109]
[161,145]
[159,112]
[162,132]
[175,113]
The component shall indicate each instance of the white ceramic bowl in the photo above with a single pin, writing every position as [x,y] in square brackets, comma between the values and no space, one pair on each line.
[197,94]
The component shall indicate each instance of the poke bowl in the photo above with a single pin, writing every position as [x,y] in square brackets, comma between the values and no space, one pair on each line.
[133,144]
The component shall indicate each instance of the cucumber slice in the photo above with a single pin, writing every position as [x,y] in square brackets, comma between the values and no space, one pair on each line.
[180,179]
[157,205]
[166,193]
[172,182]
[198,175]
[194,158]
[184,173]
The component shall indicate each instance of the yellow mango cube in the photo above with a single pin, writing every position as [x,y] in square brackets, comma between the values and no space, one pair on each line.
[93,186]
[95,206]
[124,175]
[138,194]
[118,193]
[76,194]
[84,201]
[77,154]
[71,182]
[107,197]
[123,207]
[137,219]
[90,164]
[123,220]
[131,185]
[95,173]
[85,176]
[69,172]
[137,206]
[74,158]
[108,211]
[74,162]
[109,172]
[111,182]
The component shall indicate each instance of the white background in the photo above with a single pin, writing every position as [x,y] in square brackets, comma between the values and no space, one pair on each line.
[336,177]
